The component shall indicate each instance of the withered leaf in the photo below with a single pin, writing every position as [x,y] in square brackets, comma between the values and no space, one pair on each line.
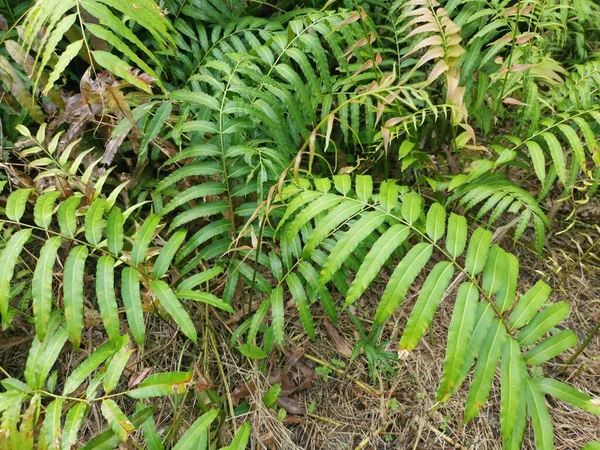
[291,406]
[339,343]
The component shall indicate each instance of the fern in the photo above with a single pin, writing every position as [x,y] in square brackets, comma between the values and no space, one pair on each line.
[322,230]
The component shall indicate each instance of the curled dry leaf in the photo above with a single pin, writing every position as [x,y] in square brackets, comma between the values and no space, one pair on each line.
[291,406]
[339,343]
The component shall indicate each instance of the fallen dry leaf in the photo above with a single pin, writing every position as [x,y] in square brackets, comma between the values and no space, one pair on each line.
[339,343]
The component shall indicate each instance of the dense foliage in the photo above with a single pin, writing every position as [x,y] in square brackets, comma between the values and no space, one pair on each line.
[190,159]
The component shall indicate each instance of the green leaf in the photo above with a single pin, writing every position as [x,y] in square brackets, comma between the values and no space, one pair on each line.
[558,156]
[388,195]
[240,441]
[329,223]
[196,99]
[73,292]
[162,384]
[436,222]
[494,270]
[85,369]
[143,238]
[364,187]
[299,295]
[167,253]
[151,437]
[537,157]
[120,68]
[50,349]
[568,394]
[117,364]
[368,223]
[478,251]
[130,292]
[67,215]
[508,285]
[529,304]
[375,259]
[16,203]
[52,428]
[44,206]
[108,440]
[41,285]
[199,427]
[8,261]
[11,78]
[543,322]
[540,418]
[105,293]
[321,204]
[401,280]
[278,314]
[116,418]
[456,239]
[490,353]
[199,278]
[551,347]
[193,193]
[460,333]
[94,222]
[205,297]
[251,351]
[114,231]
[73,424]
[342,183]
[574,142]
[512,383]
[63,61]
[412,207]
[169,301]
[427,303]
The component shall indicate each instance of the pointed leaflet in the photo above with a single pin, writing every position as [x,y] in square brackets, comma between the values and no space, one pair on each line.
[364,187]
[61,64]
[257,320]
[73,292]
[85,369]
[551,347]
[375,259]
[50,349]
[143,238]
[329,223]
[401,280]
[169,301]
[120,68]
[349,241]
[41,285]
[109,439]
[116,418]
[199,191]
[44,206]
[252,351]
[485,369]
[278,314]
[51,427]
[192,435]
[512,388]
[16,203]
[459,336]
[114,231]
[94,222]
[558,156]
[412,206]
[427,303]
[117,364]
[240,441]
[73,424]
[162,384]
[67,215]
[529,304]
[540,418]
[388,195]
[574,142]
[567,394]
[456,239]
[130,293]
[321,204]
[494,270]
[105,293]
[154,127]
[508,286]
[151,437]
[436,222]
[543,322]
[537,157]
[199,278]
[167,253]
[205,297]
[8,260]
[299,295]
[478,251]
[342,183]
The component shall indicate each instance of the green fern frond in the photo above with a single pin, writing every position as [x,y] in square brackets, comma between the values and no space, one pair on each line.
[491,324]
